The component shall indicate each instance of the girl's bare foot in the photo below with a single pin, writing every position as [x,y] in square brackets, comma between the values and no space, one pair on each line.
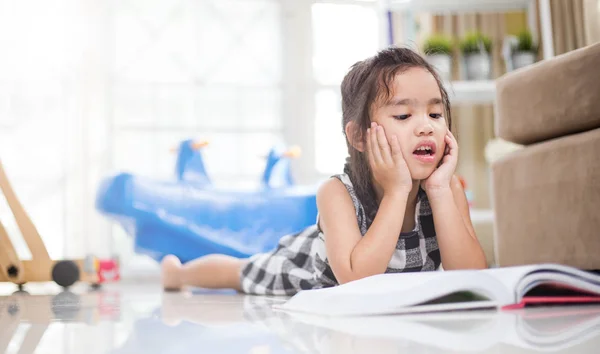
[171,273]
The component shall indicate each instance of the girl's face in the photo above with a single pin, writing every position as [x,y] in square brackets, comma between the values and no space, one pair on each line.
[415,114]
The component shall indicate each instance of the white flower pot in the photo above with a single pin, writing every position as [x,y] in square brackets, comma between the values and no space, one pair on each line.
[478,66]
[522,59]
[443,65]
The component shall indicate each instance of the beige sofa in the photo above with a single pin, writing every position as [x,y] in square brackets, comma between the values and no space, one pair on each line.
[546,196]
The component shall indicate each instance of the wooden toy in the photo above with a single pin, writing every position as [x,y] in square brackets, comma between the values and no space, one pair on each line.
[41,268]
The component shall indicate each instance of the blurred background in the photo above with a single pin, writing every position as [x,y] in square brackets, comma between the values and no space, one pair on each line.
[89,88]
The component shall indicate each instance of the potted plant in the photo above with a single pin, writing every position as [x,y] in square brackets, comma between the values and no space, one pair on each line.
[438,51]
[525,51]
[476,49]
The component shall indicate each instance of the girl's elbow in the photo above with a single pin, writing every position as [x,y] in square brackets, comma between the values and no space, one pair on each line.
[348,279]
[345,276]
[483,263]
[352,276]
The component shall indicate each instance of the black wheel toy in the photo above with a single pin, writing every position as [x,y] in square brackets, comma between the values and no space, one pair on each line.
[65,273]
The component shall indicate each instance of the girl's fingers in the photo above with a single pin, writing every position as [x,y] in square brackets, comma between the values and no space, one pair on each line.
[396,152]
[451,135]
[368,147]
[451,145]
[374,145]
[384,146]
[454,143]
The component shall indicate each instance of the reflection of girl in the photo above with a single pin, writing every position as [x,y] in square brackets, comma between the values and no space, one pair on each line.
[398,207]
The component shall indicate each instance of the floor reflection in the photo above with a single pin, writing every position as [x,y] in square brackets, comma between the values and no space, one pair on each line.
[32,316]
[145,320]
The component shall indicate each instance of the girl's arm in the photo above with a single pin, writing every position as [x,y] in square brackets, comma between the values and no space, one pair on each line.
[460,199]
[459,246]
[351,255]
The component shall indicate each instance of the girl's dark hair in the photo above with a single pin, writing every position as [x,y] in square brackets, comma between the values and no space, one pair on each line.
[367,83]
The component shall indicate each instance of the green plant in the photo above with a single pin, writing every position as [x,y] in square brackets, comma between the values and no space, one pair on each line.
[470,44]
[438,44]
[525,42]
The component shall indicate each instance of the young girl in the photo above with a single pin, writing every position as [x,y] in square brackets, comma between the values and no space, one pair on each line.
[398,207]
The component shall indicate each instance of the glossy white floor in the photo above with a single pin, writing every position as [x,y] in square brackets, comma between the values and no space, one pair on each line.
[142,319]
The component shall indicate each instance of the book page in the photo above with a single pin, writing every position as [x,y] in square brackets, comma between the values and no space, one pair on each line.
[389,293]
[510,277]
[519,279]
[563,281]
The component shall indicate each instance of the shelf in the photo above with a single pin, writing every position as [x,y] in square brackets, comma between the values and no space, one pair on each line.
[471,91]
[445,6]
[482,216]
[460,91]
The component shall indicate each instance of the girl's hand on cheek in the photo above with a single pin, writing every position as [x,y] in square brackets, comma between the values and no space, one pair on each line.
[440,179]
[387,163]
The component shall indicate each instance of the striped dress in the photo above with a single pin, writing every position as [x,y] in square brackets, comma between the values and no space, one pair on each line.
[299,262]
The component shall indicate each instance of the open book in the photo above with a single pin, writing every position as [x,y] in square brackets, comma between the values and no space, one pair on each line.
[498,288]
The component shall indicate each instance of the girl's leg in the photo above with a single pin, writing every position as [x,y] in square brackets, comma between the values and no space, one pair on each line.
[215,271]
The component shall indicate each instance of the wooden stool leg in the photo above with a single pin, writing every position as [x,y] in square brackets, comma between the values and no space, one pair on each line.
[30,234]
[9,260]
[40,267]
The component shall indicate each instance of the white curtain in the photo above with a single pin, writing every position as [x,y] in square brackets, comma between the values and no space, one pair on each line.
[52,120]
[574,24]
[591,13]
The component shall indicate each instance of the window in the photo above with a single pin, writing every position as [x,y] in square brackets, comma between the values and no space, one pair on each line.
[80,99]
[197,69]
[194,69]
[342,35]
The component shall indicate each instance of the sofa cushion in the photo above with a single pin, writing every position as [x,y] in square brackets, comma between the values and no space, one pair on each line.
[546,200]
[550,98]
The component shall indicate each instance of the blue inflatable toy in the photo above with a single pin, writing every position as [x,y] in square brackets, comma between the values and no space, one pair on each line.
[190,164]
[189,217]
[278,173]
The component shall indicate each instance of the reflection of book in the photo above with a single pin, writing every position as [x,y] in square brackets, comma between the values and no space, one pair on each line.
[551,329]
[506,288]
[554,329]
